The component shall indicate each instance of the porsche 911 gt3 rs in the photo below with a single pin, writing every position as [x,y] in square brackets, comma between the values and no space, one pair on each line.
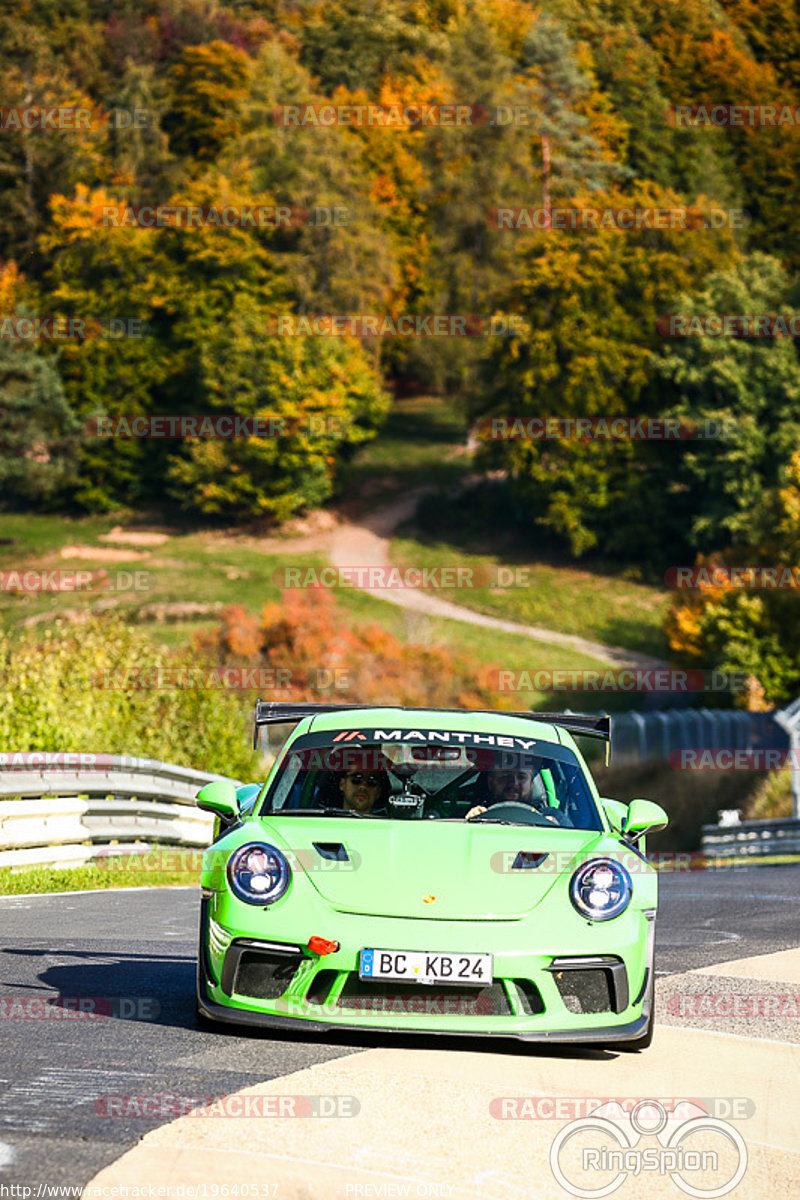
[434,871]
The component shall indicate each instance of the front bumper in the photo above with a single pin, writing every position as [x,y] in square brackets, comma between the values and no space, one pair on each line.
[623,955]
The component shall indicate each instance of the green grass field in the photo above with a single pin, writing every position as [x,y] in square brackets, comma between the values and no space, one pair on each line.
[423,442]
[598,606]
[198,567]
[163,867]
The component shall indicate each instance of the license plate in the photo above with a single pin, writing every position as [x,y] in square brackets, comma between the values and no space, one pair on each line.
[417,966]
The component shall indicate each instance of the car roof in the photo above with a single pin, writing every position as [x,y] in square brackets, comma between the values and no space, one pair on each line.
[422,719]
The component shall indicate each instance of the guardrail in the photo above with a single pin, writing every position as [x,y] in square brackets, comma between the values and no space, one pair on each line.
[753,839]
[68,808]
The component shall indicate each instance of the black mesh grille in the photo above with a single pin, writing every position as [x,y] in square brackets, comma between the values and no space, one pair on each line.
[264,976]
[586,991]
[367,996]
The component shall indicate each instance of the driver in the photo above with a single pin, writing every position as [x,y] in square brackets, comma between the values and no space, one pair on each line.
[512,784]
[364,791]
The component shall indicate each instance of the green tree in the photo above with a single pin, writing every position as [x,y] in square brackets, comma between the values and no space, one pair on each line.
[209,84]
[354,43]
[38,430]
[315,394]
[590,301]
[750,387]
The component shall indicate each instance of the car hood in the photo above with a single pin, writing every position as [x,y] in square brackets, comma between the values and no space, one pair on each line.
[437,871]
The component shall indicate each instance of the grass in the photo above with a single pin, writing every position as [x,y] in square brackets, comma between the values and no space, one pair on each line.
[773,797]
[488,650]
[164,866]
[197,566]
[34,534]
[421,443]
[601,607]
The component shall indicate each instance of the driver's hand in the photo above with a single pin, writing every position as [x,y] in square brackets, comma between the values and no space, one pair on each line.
[476,811]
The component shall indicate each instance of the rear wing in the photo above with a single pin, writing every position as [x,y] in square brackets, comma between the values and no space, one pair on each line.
[583,725]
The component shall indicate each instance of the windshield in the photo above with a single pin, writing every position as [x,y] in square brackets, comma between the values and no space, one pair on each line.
[353,774]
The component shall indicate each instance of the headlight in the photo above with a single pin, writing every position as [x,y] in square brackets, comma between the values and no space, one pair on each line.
[258,873]
[600,889]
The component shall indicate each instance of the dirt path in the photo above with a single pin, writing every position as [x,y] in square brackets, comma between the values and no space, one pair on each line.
[365,542]
[367,545]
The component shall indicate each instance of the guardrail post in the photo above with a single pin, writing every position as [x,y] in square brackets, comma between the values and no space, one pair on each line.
[789,719]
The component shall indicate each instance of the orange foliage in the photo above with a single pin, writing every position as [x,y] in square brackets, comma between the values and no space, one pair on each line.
[328,659]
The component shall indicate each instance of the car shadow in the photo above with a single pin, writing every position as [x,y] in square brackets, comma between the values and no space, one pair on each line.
[159,989]
[156,989]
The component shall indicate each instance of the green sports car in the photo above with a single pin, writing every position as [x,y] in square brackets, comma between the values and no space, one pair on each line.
[433,871]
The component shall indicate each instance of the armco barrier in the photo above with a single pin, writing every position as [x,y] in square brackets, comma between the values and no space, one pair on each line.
[68,816]
[753,839]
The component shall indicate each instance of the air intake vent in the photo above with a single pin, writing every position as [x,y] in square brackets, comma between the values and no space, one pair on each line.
[591,984]
[264,976]
[527,860]
[334,851]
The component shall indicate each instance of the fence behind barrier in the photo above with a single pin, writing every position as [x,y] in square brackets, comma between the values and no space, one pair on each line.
[646,736]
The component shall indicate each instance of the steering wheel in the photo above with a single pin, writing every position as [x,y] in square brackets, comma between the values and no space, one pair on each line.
[522,814]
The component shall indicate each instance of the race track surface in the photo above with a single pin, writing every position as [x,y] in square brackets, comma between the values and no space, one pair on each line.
[136,949]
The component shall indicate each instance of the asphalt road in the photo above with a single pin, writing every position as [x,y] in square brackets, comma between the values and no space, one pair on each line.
[138,948]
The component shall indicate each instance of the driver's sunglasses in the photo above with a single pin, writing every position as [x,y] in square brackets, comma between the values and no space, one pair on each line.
[357,777]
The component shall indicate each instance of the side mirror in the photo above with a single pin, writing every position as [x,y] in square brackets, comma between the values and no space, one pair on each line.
[644,817]
[219,797]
